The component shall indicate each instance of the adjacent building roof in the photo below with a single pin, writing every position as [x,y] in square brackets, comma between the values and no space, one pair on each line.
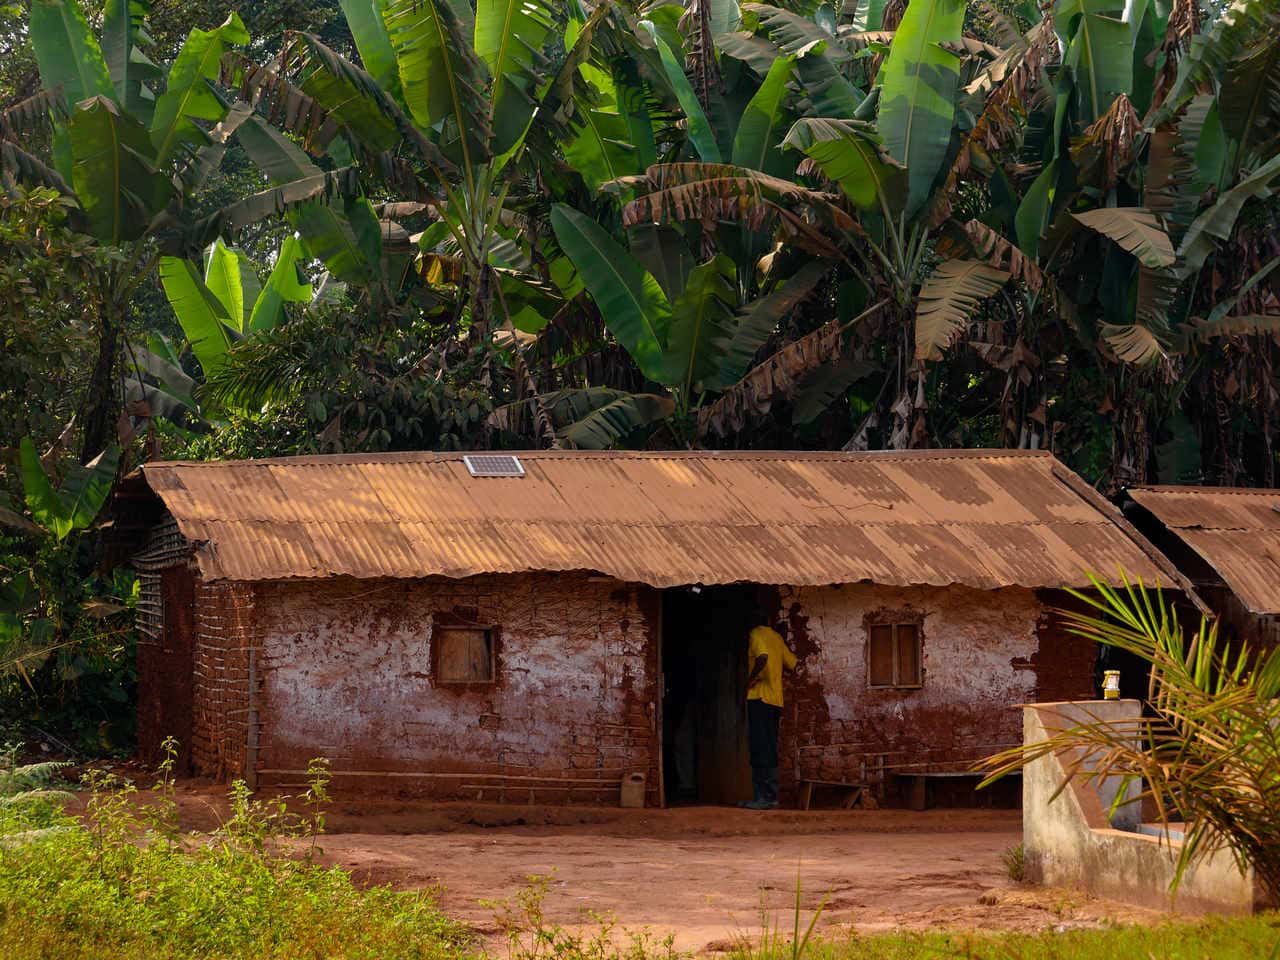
[1235,530]
[984,518]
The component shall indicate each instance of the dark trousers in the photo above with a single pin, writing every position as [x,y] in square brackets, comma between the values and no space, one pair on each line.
[762,747]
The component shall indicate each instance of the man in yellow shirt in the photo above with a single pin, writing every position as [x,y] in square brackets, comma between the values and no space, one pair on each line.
[767,656]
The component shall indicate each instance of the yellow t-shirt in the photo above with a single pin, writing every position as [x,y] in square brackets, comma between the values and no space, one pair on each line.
[768,686]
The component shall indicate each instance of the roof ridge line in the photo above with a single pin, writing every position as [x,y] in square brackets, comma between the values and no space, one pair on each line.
[430,456]
[1162,489]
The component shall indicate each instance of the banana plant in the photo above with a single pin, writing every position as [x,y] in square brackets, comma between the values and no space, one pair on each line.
[228,302]
[1154,200]
[41,604]
[217,307]
[76,504]
[882,136]
[697,337]
[450,98]
[585,418]
[131,143]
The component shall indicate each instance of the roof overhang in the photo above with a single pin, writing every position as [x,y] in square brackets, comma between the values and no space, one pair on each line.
[1235,530]
[985,518]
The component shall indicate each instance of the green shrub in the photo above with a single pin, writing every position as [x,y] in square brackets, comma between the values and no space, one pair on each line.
[126,883]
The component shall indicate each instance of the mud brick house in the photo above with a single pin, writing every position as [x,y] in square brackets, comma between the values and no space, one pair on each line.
[1226,540]
[538,626]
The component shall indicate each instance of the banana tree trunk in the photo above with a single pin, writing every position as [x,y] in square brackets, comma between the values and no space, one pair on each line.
[100,408]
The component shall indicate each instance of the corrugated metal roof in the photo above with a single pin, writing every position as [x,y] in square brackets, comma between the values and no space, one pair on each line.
[982,518]
[1235,530]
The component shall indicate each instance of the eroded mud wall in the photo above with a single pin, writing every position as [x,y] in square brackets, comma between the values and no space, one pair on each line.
[225,640]
[982,656]
[346,674]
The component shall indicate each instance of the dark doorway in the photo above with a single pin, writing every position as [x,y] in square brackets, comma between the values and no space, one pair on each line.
[704,656]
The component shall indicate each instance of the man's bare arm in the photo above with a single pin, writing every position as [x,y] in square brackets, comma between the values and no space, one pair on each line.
[757,668]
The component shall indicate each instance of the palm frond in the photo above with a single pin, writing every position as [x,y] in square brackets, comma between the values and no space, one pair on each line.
[1208,751]
[777,376]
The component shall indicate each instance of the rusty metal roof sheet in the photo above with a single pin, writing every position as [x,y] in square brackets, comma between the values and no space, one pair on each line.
[1235,530]
[982,518]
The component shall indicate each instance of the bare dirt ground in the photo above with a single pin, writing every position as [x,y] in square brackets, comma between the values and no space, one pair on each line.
[706,874]
[703,874]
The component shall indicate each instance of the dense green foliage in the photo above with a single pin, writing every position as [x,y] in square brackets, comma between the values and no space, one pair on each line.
[415,224]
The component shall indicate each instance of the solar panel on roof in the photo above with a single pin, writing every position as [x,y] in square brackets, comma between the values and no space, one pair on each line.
[493,465]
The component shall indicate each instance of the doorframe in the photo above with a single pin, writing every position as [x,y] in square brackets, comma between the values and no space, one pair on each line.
[660,698]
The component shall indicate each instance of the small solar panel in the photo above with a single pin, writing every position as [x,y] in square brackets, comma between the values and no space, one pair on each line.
[493,465]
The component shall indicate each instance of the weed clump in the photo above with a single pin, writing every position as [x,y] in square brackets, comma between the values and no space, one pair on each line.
[1015,863]
[531,935]
[127,882]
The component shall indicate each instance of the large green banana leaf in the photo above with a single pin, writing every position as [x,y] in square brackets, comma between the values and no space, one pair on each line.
[441,76]
[662,251]
[119,190]
[630,300]
[755,145]
[84,489]
[918,82]
[1215,224]
[223,277]
[345,235]
[124,30]
[793,33]
[1035,211]
[1249,99]
[509,37]
[702,325]
[189,94]
[66,51]
[700,132]
[201,315]
[868,15]
[848,152]
[42,498]
[350,95]
[1099,49]
[616,136]
[830,93]
[364,20]
[281,287]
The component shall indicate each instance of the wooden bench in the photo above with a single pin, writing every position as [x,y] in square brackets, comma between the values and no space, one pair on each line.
[854,793]
[918,797]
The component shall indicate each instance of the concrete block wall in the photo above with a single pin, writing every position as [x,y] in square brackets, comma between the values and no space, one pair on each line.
[1071,841]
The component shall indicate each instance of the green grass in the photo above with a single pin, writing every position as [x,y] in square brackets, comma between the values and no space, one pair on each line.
[1215,938]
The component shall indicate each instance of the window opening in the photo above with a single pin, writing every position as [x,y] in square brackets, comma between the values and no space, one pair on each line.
[893,654]
[463,654]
